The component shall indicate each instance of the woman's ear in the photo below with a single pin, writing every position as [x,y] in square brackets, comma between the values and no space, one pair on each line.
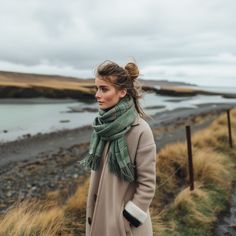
[123,92]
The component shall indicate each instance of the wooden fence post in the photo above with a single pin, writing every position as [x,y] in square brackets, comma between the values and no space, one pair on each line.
[229,129]
[190,158]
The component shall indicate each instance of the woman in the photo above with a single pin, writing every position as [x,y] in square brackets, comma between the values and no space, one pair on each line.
[122,158]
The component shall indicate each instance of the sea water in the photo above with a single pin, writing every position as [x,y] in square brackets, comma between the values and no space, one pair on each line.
[19,117]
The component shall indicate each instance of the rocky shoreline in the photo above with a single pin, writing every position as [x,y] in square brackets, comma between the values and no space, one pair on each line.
[34,179]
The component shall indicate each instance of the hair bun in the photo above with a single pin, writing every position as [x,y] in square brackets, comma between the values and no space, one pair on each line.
[132,70]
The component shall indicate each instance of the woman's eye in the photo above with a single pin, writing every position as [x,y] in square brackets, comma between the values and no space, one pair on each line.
[104,89]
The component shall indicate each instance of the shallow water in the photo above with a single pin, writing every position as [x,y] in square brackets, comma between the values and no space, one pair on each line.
[20,117]
[17,119]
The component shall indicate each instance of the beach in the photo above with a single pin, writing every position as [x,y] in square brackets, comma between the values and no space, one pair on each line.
[58,153]
[30,148]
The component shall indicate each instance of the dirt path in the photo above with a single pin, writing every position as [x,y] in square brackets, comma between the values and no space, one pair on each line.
[227,224]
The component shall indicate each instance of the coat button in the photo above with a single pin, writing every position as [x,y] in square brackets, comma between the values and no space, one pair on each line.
[95,197]
[89,220]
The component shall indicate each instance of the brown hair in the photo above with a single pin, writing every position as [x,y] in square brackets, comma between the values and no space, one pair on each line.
[123,78]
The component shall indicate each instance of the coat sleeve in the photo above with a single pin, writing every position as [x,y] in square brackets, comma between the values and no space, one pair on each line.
[135,210]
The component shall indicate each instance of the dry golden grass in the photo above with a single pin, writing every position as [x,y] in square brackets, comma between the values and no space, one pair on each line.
[233,113]
[209,165]
[53,195]
[171,157]
[171,160]
[75,209]
[204,139]
[78,200]
[72,86]
[33,218]
[47,218]
[189,200]
[47,82]
[159,227]
[213,167]
[213,137]
[15,84]
[39,78]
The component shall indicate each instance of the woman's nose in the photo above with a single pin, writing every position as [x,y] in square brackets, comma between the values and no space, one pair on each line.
[97,94]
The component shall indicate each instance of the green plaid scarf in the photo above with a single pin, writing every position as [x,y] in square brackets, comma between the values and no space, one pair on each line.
[112,125]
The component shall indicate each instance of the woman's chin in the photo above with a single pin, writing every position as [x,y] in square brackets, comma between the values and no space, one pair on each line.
[102,107]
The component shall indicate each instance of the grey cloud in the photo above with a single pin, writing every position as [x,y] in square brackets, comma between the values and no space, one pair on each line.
[80,34]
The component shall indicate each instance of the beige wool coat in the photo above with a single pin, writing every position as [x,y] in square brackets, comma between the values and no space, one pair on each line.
[108,195]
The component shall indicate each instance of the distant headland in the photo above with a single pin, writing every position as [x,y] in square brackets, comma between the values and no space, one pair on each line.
[28,85]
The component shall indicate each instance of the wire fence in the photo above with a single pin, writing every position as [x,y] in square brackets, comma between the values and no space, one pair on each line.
[189,149]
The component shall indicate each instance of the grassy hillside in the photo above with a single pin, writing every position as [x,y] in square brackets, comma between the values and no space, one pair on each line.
[22,85]
[183,212]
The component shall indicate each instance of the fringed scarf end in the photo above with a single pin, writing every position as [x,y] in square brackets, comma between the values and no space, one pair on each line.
[91,161]
[126,173]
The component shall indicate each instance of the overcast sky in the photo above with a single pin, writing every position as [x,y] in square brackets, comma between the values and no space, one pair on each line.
[184,40]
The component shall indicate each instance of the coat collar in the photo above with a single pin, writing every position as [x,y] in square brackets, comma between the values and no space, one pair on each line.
[136,121]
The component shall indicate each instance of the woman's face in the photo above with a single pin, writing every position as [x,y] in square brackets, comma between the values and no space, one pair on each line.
[107,94]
